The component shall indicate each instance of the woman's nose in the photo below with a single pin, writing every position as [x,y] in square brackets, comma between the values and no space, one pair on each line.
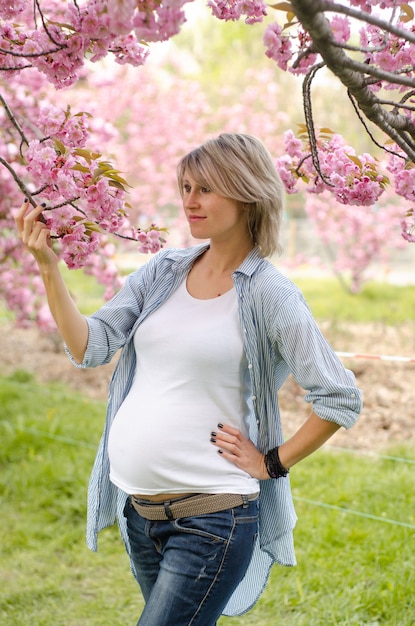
[191,199]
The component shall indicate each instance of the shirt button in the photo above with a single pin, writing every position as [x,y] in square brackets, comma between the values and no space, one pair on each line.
[352,395]
[250,366]
[253,397]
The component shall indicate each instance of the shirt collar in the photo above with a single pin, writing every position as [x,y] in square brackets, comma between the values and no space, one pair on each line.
[251,262]
[248,266]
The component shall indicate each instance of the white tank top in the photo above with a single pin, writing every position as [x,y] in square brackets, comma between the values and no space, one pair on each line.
[191,374]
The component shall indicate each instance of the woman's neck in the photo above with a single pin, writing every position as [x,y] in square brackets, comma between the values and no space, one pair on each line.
[222,260]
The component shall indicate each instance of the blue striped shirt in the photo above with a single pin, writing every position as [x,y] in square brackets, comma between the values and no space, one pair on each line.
[280,337]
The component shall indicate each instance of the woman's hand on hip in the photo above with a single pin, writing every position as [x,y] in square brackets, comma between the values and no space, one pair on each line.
[237,449]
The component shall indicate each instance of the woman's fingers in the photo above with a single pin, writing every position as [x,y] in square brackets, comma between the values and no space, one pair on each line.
[34,233]
[236,448]
[231,438]
[26,219]
[20,215]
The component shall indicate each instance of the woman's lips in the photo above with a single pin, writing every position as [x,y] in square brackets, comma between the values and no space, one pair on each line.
[195,218]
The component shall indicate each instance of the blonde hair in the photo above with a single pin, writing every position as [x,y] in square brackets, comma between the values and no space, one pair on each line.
[239,167]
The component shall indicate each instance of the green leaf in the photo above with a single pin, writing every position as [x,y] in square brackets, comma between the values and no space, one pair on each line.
[290,17]
[407,13]
[87,154]
[104,166]
[355,160]
[116,177]
[114,183]
[59,146]
[93,227]
[62,25]
[282,6]
[80,168]
[302,128]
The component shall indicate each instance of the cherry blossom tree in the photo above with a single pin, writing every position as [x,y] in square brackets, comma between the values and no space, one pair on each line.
[55,155]
[371,51]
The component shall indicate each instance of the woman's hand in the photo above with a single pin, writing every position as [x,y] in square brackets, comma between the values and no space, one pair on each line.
[236,448]
[35,234]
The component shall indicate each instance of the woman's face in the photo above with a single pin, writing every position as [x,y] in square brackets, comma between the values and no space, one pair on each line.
[211,216]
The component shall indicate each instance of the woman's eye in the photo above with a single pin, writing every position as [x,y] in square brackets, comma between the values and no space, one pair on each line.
[186,188]
[205,189]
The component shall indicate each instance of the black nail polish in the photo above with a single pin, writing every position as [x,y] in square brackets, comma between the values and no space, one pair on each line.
[26,200]
[213,440]
[220,451]
[213,434]
[43,204]
[220,425]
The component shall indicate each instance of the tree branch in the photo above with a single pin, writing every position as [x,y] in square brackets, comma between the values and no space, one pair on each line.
[25,191]
[308,113]
[28,55]
[15,69]
[368,18]
[15,123]
[401,103]
[398,127]
[395,78]
[45,26]
[365,126]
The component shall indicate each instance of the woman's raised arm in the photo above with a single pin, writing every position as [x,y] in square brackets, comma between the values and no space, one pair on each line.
[71,324]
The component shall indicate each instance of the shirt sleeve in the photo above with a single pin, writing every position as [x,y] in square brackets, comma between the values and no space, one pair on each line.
[111,325]
[315,366]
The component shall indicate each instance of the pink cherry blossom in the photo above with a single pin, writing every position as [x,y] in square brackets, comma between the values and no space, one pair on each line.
[62,156]
[278,46]
[341,28]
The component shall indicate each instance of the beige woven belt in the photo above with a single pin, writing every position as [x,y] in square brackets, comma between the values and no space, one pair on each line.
[189,506]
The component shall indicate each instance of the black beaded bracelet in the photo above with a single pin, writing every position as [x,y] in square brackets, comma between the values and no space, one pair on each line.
[273,464]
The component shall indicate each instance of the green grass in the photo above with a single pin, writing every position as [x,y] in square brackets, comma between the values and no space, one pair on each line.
[352,570]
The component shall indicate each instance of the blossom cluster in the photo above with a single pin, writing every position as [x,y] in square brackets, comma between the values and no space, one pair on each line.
[9,10]
[53,156]
[291,47]
[404,178]
[293,51]
[232,10]
[83,194]
[388,52]
[91,30]
[353,180]
[367,5]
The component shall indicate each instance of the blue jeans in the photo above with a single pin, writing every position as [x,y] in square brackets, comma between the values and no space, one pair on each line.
[188,568]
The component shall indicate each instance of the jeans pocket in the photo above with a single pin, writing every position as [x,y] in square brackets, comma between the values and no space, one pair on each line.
[248,514]
[217,526]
